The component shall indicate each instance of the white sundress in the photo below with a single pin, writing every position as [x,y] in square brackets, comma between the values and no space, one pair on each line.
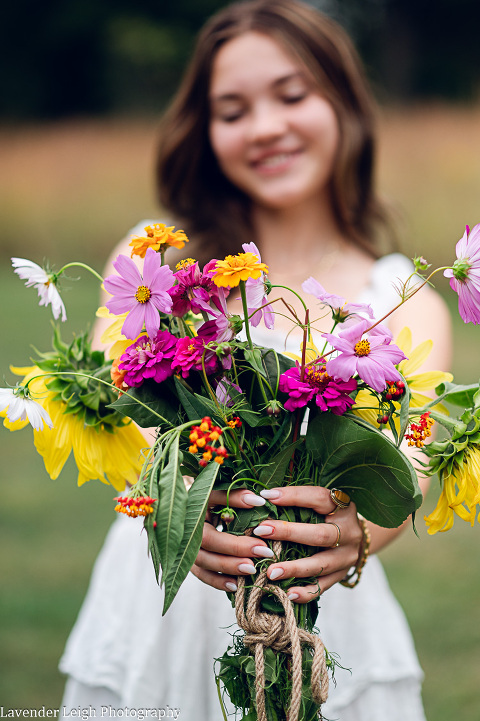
[122,654]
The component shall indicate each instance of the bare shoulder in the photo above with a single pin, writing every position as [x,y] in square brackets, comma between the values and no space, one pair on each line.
[428,317]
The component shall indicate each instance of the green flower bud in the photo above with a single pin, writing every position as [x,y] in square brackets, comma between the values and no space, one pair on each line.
[460,269]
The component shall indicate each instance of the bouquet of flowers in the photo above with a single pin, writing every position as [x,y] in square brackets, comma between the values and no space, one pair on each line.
[231,414]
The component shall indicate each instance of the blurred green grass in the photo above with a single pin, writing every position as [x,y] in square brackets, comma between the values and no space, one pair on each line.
[71,191]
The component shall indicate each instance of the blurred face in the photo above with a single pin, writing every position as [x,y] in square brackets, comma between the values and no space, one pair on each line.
[274,135]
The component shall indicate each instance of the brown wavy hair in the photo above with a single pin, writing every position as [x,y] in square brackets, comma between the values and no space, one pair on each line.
[190,182]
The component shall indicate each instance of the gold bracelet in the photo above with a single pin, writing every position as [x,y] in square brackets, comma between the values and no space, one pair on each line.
[362,557]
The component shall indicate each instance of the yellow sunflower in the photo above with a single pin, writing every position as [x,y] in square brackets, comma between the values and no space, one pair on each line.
[229,272]
[112,336]
[460,494]
[111,457]
[366,404]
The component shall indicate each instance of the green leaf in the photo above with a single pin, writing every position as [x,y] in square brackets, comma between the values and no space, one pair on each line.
[254,358]
[364,463]
[172,507]
[270,359]
[458,395]
[195,406]
[274,474]
[159,406]
[150,529]
[92,399]
[197,504]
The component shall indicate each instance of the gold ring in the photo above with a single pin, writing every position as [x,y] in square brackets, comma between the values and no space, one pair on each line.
[337,542]
[340,498]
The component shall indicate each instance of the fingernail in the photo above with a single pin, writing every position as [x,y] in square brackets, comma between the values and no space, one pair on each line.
[276,573]
[293,596]
[253,500]
[271,493]
[263,530]
[231,586]
[263,551]
[247,568]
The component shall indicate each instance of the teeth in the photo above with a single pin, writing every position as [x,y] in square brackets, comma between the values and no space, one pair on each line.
[275,159]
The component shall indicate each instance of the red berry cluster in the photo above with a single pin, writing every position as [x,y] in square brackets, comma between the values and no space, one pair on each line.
[133,507]
[418,432]
[394,390]
[203,437]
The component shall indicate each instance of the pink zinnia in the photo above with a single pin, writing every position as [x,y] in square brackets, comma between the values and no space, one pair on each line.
[465,275]
[148,358]
[142,297]
[329,393]
[373,358]
[188,355]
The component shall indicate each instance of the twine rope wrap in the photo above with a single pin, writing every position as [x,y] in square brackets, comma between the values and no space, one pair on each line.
[282,634]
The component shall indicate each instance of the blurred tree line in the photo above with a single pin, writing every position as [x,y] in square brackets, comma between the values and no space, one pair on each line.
[71,57]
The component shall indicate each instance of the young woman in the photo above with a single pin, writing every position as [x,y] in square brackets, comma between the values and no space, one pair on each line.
[270,139]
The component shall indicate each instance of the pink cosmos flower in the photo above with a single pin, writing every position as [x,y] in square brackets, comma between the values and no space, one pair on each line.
[341,310]
[192,283]
[188,356]
[329,393]
[465,275]
[141,297]
[256,295]
[373,358]
[223,391]
[148,358]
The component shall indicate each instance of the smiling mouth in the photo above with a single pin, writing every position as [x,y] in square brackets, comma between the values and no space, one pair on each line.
[274,162]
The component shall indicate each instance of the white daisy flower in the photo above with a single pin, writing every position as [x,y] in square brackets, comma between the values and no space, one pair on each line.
[20,408]
[44,282]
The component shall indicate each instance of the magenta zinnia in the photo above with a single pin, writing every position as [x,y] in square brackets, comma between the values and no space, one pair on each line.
[148,358]
[329,394]
[373,358]
[192,283]
[465,275]
[141,297]
[189,353]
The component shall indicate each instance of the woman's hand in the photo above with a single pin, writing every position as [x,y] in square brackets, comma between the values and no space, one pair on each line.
[224,556]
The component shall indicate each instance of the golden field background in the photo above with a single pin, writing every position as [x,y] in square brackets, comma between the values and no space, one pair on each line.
[71,190]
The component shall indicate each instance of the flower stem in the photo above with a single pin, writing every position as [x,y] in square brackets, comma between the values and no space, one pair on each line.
[99,380]
[80,265]
[408,296]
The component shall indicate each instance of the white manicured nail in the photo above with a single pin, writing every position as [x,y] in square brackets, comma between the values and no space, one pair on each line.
[263,551]
[276,573]
[263,530]
[247,568]
[253,500]
[293,596]
[231,586]
[271,493]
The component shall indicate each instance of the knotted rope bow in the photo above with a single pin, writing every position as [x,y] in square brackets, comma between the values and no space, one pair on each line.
[282,634]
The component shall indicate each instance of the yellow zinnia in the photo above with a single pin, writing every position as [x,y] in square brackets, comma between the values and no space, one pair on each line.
[229,272]
[111,457]
[460,493]
[366,404]
[158,235]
